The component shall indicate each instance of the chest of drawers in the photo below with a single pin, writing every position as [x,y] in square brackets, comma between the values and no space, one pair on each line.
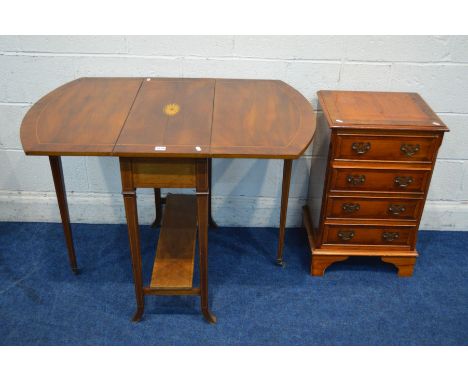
[372,163]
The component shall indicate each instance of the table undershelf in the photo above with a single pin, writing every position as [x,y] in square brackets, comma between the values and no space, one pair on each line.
[175,253]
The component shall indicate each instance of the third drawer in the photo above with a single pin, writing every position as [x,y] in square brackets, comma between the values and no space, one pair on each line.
[339,207]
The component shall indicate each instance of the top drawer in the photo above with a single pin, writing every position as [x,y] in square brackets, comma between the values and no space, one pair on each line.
[385,147]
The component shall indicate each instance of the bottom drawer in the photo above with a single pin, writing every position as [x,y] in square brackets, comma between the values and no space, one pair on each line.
[368,235]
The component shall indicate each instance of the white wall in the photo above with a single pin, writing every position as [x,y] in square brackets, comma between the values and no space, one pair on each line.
[246,192]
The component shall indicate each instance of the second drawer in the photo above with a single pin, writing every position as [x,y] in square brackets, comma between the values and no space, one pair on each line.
[373,208]
[387,180]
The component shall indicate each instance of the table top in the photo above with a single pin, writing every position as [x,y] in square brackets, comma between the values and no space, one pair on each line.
[378,110]
[170,117]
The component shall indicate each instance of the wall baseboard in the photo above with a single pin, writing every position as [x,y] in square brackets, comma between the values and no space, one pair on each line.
[227,210]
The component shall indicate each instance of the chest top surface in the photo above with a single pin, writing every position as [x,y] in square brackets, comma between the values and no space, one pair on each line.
[378,110]
[170,117]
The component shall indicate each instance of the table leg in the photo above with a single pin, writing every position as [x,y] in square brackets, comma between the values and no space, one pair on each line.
[158,204]
[287,167]
[57,174]
[131,212]
[202,216]
[211,221]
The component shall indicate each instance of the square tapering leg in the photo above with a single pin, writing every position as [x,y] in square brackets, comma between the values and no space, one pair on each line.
[158,205]
[287,167]
[57,174]
[131,212]
[202,216]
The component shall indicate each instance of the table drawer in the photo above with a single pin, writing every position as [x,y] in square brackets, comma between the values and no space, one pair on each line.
[164,172]
[385,147]
[368,235]
[373,208]
[386,180]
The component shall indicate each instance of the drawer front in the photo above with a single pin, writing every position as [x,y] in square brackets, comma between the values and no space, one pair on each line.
[164,172]
[386,148]
[373,208]
[368,235]
[357,179]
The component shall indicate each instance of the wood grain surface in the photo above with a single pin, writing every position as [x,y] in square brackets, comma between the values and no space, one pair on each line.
[382,152]
[379,110]
[83,117]
[170,117]
[184,126]
[255,118]
[175,255]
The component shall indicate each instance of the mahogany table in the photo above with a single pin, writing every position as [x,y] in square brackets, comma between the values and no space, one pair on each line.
[165,132]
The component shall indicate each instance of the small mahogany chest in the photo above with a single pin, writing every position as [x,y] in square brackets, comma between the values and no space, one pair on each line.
[373,158]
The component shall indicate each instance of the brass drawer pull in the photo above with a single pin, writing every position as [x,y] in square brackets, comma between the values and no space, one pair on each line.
[390,236]
[351,207]
[396,209]
[408,149]
[345,235]
[403,181]
[355,179]
[361,147]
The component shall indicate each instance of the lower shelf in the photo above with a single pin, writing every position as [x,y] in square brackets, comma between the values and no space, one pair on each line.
[175,254]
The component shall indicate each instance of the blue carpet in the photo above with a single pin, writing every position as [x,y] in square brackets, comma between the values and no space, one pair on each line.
[358,302]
